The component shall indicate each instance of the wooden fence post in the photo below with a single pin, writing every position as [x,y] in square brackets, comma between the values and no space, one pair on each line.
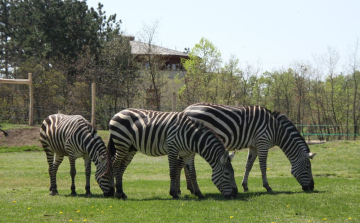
[93,95]
[31,97]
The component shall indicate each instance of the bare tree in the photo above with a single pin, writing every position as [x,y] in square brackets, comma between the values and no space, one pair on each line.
[301,79]
[155,79]
[354,66]
[331,60]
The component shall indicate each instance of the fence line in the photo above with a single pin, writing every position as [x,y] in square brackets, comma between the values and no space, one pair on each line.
[31,94]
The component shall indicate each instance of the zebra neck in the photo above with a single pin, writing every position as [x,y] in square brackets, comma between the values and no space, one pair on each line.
[212,155]
[292,144]
[92,148]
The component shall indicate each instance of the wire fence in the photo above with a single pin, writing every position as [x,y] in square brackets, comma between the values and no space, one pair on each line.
[327,132]
[20,115]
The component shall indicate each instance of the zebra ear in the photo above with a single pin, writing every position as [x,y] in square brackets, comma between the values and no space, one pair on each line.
[231,155]
[224,158]
[310,155]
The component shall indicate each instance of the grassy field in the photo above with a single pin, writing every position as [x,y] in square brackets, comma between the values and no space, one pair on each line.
[24,183]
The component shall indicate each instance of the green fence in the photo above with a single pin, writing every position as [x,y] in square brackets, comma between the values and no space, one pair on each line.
[327,132]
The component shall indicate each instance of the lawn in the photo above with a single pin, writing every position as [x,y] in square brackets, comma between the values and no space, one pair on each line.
[24,195]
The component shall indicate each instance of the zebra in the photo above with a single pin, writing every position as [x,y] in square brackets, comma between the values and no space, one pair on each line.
[3,131]
[258,129]
[73,136]
[157,133]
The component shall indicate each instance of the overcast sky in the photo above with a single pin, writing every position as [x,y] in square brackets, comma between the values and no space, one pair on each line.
[276,33]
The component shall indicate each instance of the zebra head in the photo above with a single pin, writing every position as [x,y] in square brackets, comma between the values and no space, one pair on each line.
[223,176]
[104,174]
[301,170]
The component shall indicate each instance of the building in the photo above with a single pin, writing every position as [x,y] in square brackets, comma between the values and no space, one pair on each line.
[172,67]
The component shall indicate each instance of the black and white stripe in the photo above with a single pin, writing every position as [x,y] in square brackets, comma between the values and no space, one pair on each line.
[168,133]
[258,129]
[73,136]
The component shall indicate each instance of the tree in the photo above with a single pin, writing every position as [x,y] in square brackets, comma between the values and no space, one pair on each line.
[202,68]
[58,29]
[301,89]
[6,31]
[354,65]
[155,79]
[331,60]
[121,80]
[248,82]
[229,82]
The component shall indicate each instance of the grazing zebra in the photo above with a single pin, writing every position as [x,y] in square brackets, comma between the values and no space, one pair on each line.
[73,136]
[3,131]
[258,129]
[168,133]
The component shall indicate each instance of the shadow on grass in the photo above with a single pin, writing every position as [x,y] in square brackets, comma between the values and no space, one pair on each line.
[209,196]
[248,195]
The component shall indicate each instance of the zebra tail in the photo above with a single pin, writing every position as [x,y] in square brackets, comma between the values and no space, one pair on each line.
[111,147]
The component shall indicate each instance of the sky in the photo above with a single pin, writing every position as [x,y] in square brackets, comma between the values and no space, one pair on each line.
[273,34]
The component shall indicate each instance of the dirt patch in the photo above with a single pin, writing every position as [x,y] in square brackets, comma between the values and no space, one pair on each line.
[21,137]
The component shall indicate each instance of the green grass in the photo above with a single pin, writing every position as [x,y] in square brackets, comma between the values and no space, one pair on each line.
[5,149]
[6,126]
[24,195]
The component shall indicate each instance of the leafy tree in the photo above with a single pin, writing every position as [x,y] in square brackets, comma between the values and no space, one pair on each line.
[229,82]
[6,31]
[202,67]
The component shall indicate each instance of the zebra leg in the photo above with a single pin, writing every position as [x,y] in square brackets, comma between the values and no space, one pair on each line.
[262,160]
[190,168]
[252,154]
[72,174]
[189,185]
[180,165]
[173,167]
[87,174]
[50,160]
[55,166]
[121,169]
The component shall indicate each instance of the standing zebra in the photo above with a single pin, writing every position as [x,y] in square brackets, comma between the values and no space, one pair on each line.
[168,133]
[258,129]
[73,136]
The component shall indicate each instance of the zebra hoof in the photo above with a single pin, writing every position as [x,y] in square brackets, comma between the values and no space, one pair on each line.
[175,197]
[246,189]
[88,194]
[53,193]
[268,188]
[200,196]
[120,195]
[74,194]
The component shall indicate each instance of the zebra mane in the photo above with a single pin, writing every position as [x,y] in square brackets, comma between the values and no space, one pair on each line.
[284,120]
[288,124]
[204,129]
[91,129]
